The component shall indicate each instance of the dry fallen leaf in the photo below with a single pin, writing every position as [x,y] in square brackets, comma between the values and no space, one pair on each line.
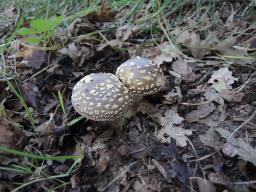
[197,47]
[160,168]
[11,137]
[212,95]
[105,14]
[112,43]
[182,37]
[34,58]
[126,31]
[30,92]
[214,118]
[232,96]
[211,139]
[219,179]
[225,47]
[170,97]
[146,107]
[222,79]
[71,51]
[170,117]
[145,187]
[177,133]
[181,66]
[102,163]
[163,57]
[201,112]
[167,53]
[158,54]
[204,185]
[244,150]
[170,128]
[8,17]
[74,180]
[229,150]
[47,128]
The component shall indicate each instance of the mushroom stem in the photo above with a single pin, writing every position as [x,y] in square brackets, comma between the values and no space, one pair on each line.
[118,124]
[133,108]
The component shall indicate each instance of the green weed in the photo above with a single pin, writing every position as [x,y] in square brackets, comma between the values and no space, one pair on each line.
[40,30]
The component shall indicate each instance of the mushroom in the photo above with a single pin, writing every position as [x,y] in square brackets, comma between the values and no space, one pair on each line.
[141,76]
[101,97]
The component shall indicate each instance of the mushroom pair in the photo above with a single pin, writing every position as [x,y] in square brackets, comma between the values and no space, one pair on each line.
[106,97]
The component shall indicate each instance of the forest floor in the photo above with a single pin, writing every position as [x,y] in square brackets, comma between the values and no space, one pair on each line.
[196,134]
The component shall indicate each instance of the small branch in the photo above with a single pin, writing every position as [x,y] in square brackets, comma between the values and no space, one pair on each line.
[242,125]
[119,176]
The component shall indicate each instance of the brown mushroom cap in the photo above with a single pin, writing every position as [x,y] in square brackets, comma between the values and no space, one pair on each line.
[101,97]
[140,76]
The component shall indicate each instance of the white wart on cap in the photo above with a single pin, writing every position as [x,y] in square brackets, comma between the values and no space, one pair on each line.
[140,76]
[101,97]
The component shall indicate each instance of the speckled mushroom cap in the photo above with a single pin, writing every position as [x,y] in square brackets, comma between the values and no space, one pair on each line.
[101,97]
[140,76]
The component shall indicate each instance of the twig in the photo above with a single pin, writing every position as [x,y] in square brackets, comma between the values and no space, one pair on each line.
[242,125]
[53,48]
[39,72]
[204,157]
[196,104]
[116,178]
[244,182]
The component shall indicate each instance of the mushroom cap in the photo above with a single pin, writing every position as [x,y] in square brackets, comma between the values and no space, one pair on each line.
[101,97]
[140,76]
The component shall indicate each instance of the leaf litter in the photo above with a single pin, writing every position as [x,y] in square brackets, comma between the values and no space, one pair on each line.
[178,135]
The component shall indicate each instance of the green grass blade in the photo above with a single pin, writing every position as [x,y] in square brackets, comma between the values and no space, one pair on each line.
[40,157]
[23,103]
[61,100]
[76,120]
[17,170]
